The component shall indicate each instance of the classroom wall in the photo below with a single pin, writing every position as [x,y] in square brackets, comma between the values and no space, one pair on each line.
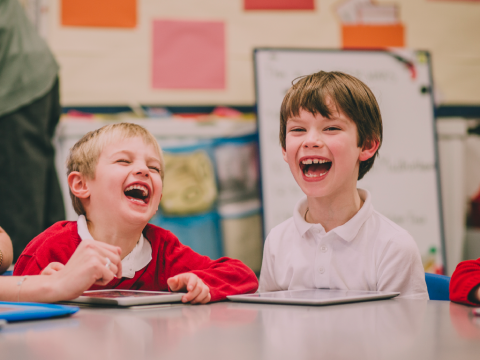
[113,66]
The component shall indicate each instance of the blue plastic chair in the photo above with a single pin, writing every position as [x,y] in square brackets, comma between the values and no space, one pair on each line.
[438,286]
[7,273]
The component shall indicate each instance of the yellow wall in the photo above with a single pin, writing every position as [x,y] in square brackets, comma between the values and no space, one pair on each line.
[113,66]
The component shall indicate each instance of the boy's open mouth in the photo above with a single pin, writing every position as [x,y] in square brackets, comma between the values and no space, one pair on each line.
[315,167]
[137,193]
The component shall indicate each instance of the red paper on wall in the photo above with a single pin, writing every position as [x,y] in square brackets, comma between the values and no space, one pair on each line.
[279,4]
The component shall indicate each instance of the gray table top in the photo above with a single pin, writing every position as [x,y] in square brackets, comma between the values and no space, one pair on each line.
[388,329]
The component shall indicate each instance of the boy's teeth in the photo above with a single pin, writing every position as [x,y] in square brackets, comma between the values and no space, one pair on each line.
[313,175]
[138,201]
[138,187]
[315,161]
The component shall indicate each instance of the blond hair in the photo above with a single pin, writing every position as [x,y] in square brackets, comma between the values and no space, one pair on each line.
[85,153]
[348,93]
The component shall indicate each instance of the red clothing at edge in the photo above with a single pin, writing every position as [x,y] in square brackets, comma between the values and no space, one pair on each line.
[224,276]
[465,278]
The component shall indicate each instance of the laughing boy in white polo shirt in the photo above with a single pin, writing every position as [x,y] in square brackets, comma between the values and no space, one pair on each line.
[330,132]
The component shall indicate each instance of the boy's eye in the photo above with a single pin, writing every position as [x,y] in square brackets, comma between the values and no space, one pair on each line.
[297,129]
[332,128]
[123,161]
[154,168]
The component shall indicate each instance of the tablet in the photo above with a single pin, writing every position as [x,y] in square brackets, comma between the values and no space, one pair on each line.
[32,311]
[127,297]
[314,296]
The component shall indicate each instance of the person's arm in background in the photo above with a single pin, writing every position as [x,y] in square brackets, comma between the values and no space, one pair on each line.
[465,283]
[86,267]
[6,251]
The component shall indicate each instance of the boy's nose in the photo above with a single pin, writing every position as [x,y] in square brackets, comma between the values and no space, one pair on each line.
[142,172]
[313,141]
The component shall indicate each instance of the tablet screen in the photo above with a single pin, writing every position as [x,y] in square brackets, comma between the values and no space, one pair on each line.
[115,294]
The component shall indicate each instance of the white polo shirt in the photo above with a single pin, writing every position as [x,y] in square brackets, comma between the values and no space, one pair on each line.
[139,257]
[368,252]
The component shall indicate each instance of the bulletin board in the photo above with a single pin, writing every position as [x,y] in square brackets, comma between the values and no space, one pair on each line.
[117,54]
[404,181]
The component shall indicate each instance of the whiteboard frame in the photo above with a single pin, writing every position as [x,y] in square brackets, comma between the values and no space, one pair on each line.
[434,129]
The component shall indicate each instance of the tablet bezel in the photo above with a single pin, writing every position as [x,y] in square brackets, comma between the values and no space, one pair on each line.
[163,297]
[364,296]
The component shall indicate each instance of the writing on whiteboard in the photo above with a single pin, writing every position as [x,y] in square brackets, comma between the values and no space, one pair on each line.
[407,219]
[402,165]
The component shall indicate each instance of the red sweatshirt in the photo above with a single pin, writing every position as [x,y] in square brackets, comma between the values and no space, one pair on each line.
[224,276]
[465,278]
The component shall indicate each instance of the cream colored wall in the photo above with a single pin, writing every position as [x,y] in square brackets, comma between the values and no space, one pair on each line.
[113,66]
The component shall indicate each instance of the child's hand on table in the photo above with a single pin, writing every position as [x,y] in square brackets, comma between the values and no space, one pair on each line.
[197,291]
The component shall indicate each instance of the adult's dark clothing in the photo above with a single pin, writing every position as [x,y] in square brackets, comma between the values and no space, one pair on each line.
[30,196]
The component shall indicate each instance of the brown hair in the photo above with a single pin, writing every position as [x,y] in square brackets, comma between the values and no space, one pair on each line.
[85,153]
[348,93]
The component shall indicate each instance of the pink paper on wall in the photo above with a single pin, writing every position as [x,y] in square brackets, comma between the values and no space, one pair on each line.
[188,54]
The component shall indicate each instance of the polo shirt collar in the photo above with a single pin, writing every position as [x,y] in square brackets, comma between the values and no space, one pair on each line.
[139,257]
[347,231]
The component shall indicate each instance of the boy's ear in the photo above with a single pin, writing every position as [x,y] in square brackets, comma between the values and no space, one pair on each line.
[78,185]
[284,153]
[369,149]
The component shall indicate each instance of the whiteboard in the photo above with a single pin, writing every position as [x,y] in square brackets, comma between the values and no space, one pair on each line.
[404,181]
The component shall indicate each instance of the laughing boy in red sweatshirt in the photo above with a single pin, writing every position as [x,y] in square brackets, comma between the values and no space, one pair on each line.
[115,176]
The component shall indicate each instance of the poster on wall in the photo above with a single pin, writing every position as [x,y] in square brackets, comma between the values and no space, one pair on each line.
[188,54]
[367,25]
[99,13]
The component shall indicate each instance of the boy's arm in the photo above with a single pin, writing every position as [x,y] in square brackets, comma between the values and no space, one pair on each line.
[267,279]
[6,251]
[26,265]
[43,250]
[400,269]
[465,283]
[224,276]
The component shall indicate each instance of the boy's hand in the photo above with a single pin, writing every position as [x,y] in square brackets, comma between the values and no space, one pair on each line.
[52,268]
[197,291]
